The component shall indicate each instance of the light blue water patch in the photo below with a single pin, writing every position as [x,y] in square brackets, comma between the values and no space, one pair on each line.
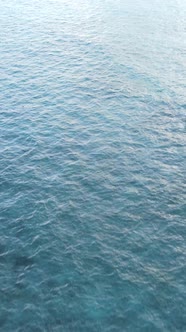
[92,168]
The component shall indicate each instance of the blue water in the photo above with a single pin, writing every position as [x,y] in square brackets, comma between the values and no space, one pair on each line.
[92,165]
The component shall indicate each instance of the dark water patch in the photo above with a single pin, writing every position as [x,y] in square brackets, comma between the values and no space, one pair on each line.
[21,262]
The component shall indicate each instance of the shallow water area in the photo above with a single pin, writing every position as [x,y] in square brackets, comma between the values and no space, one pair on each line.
[92,167]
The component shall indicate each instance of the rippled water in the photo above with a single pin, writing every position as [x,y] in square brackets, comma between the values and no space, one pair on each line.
[92,168]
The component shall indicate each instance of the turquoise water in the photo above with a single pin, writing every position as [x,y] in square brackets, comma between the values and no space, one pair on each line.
[92,167]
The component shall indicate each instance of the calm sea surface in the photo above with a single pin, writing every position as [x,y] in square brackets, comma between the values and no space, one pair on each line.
[92,165]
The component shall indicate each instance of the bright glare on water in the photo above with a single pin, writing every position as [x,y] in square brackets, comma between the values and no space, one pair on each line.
[92,166]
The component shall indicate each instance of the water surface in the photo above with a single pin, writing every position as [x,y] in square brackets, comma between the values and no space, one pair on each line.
[92,168]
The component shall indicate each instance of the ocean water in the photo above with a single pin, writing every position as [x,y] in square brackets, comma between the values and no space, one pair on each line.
[92,165]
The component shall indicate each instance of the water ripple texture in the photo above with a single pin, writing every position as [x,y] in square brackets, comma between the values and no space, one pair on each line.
[92,166]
